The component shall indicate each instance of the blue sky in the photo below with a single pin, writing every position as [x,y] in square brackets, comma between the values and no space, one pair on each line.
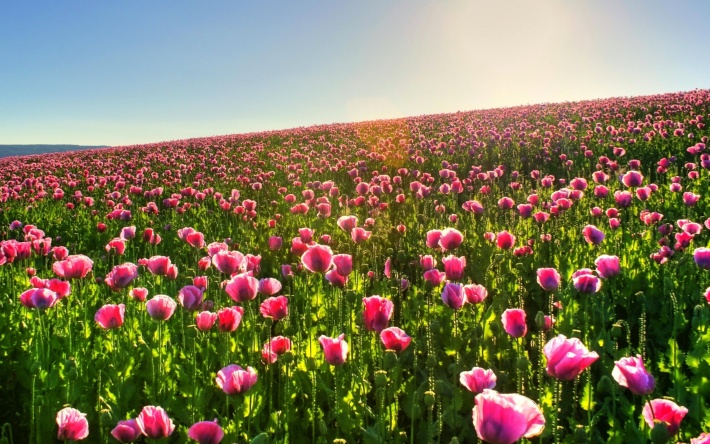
[125,72]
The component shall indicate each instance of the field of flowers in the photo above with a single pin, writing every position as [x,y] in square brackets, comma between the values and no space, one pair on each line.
[533,274]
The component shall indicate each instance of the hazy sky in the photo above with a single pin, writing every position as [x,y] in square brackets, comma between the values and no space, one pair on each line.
[124,72]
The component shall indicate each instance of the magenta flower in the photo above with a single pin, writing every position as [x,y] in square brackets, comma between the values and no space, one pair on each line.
[276,346]
[665,411]
[343,264]
[478,379]
[505,240]
[607,266]
[432,238]
[73,267]
[631,373]
[206,432]
[690,199]
[128,233]
[586,282]
[394,338]
[269,286]
[318,258]
[632,179]
[275,308]
[110,316]
[126,431]
[360,235]
[73,425]
[454,267]
[40,298]
[161,307]
[434,277]
[190,297]
[336,279]
[242,287]
[514,322]
[453,295]
[234,380]
[159,266]
[121,276]
[702,257]
[593,235]
[450,239]
[377,312]
[474,293]
[548,278]
[567,358]
[347,223]
[275,243]
[228,262]
[427,262]
[229,318]
[334,349]
[139,293]
[205,320]
[504,419]
[154,422]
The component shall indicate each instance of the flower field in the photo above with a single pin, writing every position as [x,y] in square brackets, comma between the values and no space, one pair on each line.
[534,274]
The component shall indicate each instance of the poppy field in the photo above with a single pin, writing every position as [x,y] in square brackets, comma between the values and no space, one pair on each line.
[529,274]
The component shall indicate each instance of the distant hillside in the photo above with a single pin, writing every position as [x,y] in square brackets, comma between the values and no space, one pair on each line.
[26,150]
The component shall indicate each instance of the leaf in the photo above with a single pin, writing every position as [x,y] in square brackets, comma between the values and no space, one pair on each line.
[586,400]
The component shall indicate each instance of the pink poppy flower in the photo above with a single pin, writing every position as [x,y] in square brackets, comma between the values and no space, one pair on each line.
[453,295]
[73,267]
[505,240]
[242,287]
[427,262]
[632,179]
[161,307]
[206,432]
[229,318]
[275,308]
[343,263]
[434,277]
[139,293]
[474,293]
[190,297]
[585,281]
[454,267]
[360,235]
[631,373]
[318,258]
[229,262]
[157,265]
[205,320]
[40,298]
[450,239]
[269,286]
[276,346]
[234,380]
[432,238]
[347,223]
[666,412]
[336,279]
[478,379]
[377,312]
[275,243]
[504,419]
[154,422]
[395,338]
[593,235]
[110,316]
[514,322]
[607,266]
[121,276]
[548,279]
[73,425]
[701,256]
[567,358]
[126,431]
[334,349]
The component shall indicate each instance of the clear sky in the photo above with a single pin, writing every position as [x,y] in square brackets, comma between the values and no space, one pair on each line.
[125,72]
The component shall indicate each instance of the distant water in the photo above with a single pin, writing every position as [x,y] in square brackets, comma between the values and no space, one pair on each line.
[26,150]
